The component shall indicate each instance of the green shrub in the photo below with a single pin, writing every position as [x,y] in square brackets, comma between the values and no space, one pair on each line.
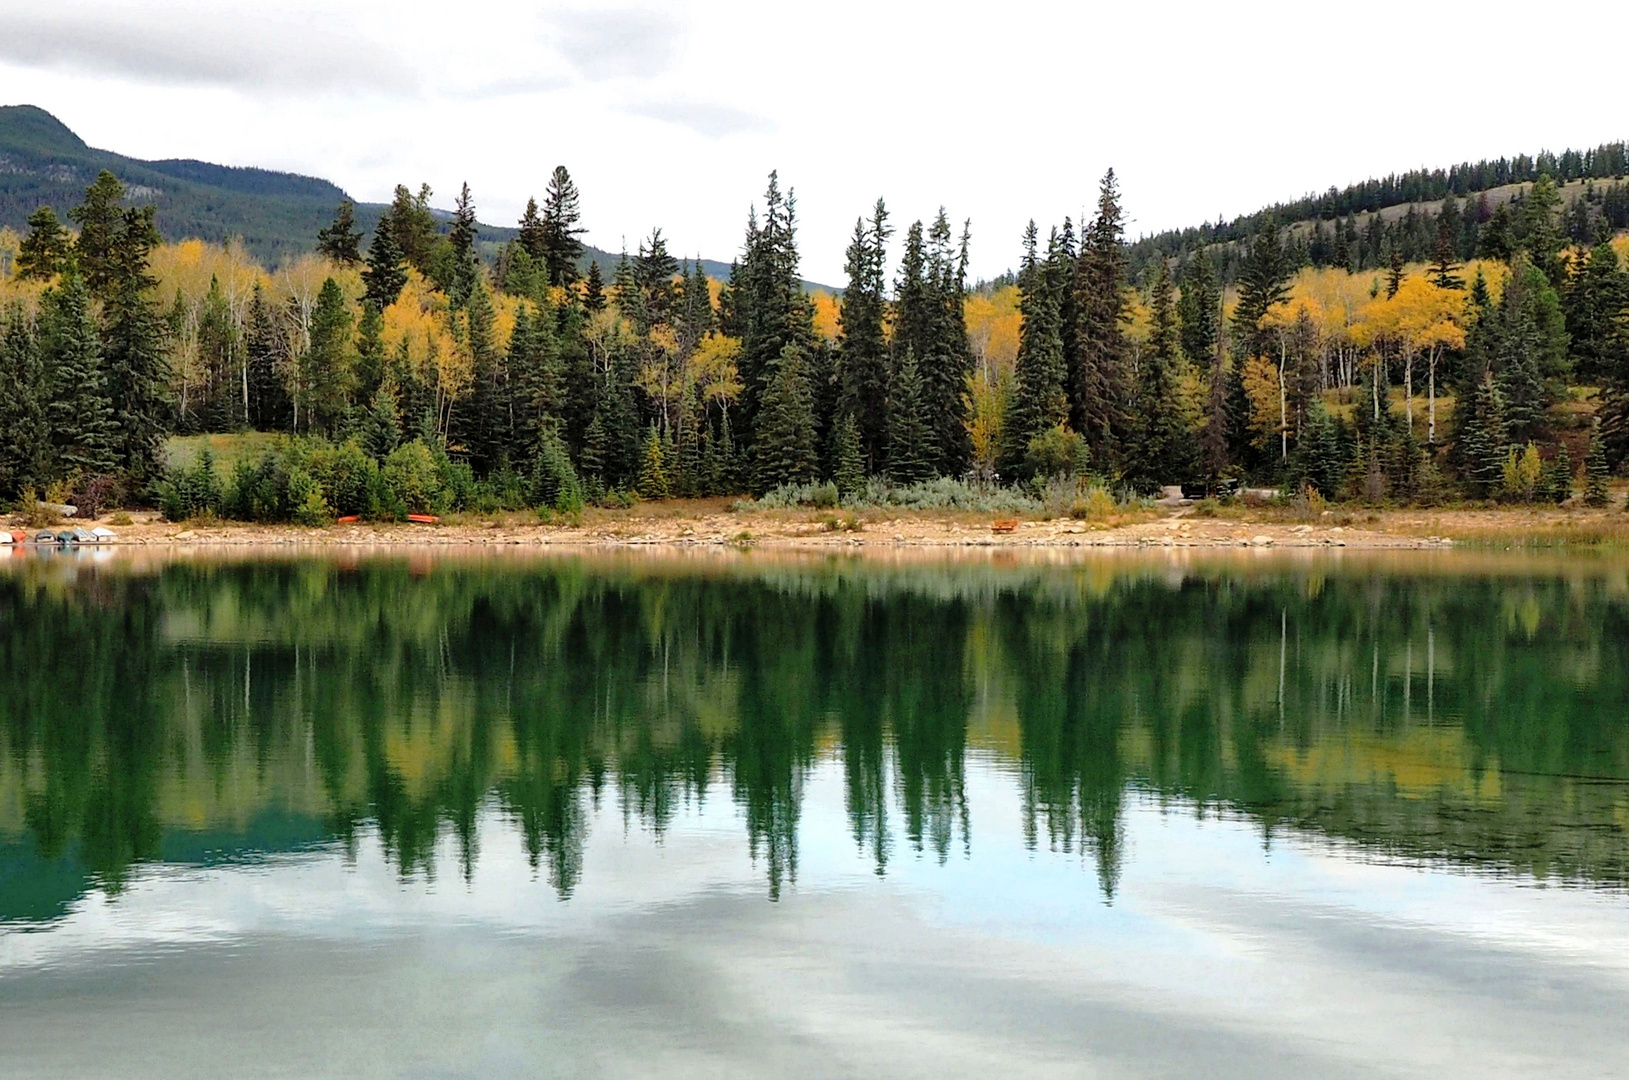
[412,477]
[1057,451]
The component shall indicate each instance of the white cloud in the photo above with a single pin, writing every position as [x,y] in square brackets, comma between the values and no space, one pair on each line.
[1000,114]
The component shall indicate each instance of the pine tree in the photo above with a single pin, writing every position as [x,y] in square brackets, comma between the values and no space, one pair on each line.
[784,450]
[1595,470]
[1039,401]
[848,457]
[80,411]
[385,274]
[341,241]
[862,345]
[561,248]
[1216,437]
[44,252]
[653,484]
[911,452]
[1100,382]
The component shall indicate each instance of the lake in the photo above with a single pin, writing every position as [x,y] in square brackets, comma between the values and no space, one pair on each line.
[386,814]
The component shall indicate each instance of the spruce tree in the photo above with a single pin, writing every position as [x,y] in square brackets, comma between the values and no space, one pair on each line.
[1597,313]
[772,311]
[412,226]
[370,350]
[561,248]
[594,288]
[100,218]
[848,458]
[385,274]
[25,433]
[1163,421]
[381,425]
[80,410]
[133,348]
[1558,483]
[466,265]
[1100,382]
[862,344]
[532,236]
[1595,470]
[1199,309]
[340,240]
[1264,276]
[784,449]
[1442,262]
[911,449]
[43,253]
[1483,440]
[1038,398]
[484,427]
[534,374]
[653,481]
[324,369]
[268,398]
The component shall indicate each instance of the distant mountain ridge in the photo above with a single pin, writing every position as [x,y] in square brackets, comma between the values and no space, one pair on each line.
[44,163]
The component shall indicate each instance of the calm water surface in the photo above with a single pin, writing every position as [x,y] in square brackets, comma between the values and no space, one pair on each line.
[387,816]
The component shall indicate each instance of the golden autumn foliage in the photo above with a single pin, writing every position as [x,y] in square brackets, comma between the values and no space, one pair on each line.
[993,323]
[826,310]
[420,319]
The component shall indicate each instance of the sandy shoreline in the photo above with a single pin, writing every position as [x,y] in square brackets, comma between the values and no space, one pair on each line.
[688,525]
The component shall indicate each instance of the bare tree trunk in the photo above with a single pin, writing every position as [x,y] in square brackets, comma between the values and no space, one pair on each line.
[1431,398]
[1408,388]
[1283,415]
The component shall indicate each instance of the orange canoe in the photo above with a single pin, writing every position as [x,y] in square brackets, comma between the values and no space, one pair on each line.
[423,519]
[348,519]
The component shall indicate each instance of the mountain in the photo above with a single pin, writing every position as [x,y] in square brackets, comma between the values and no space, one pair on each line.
[43,163]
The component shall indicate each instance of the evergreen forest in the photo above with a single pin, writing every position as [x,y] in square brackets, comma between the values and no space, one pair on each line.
[1441,336]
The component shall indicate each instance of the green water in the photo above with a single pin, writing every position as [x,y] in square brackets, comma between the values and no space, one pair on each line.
[734,815]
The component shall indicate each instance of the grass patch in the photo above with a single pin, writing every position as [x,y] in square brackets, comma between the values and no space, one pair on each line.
[181,451]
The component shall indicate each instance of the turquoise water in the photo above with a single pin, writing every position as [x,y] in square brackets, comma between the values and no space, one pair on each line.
[734,815]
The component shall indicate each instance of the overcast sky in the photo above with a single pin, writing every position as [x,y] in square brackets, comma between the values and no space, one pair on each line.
[673,114]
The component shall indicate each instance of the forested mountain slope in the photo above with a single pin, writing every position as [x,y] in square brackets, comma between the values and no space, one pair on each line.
[277,214]
[1362,226]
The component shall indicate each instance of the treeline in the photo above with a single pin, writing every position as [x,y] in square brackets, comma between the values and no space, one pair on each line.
[1609,161]
[503,385]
